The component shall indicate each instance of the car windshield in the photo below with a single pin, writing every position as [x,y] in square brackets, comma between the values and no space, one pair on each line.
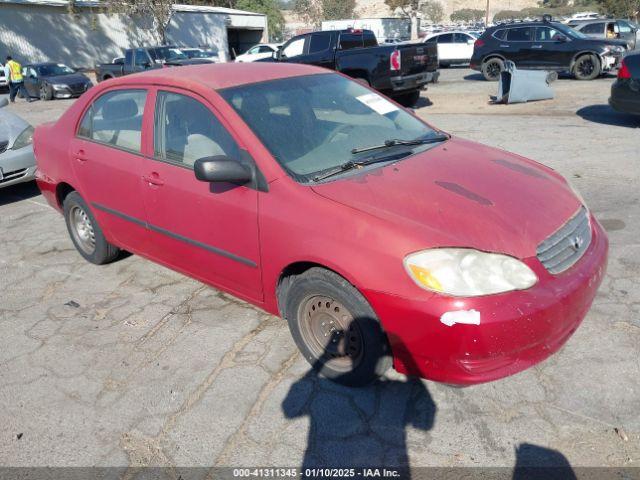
[570,32]
[54,69]
[312,124]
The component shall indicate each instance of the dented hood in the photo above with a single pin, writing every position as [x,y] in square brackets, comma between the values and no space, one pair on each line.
[463,194]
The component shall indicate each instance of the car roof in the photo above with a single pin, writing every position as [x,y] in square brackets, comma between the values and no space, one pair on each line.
[437,34]
[539,23]
[43,64]
[219,75]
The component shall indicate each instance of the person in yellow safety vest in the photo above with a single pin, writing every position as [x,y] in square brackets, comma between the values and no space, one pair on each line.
[13,74]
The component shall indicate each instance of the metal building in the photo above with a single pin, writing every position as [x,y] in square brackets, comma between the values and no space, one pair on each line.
[47,30]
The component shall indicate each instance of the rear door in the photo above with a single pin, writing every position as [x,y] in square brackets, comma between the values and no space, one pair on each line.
[464,46]
[549,51]
[594,30]
[209,231]
[106,155]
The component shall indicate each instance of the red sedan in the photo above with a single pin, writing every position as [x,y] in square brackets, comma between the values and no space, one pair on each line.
[376,236]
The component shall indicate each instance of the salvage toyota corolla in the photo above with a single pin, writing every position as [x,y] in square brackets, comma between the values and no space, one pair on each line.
[377,237]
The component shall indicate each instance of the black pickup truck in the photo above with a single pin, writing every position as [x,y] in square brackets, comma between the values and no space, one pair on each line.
[399,71]
[141,59]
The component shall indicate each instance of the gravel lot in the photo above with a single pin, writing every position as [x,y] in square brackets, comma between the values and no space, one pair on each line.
[133,364]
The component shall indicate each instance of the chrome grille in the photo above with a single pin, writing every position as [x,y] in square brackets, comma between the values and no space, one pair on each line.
[14,175]
[567,245]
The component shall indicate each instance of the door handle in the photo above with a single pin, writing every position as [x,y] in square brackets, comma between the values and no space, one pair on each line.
[153,179]
[504,46]
[81,156]
[536,46]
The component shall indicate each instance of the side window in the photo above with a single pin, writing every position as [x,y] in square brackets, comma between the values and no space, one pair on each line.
[295,48]
[115,119]
[500,34]
[186,130]
[431,40]
[461,38]
[546,34]
[254,50]
[319,42]
[141,57]
[520,34]
[128,57]
[446,38]
[265,49]
[593,28]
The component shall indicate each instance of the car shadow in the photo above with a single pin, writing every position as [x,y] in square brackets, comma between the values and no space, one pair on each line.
[608,116]
[423,102]
[359,427]
[18,192]
[474,77]
[540,463]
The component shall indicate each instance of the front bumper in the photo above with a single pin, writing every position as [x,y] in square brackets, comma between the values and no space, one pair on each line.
[610,61]
[516,331]
[413,82]
[625,96]
[67,92]
[17,166]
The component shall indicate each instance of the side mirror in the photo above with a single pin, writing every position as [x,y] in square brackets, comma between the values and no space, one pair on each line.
[221,169]
[561,38]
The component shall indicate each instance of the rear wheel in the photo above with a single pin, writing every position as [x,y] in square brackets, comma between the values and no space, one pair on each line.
[587,67]
[408,99]
[334,327]
[492,68]
[85,231]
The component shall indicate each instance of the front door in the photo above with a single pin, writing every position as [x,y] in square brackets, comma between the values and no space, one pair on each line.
[107,161]
[209,231]
[31,83]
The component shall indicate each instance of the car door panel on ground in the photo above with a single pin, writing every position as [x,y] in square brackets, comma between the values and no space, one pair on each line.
[217,222]
[106,157]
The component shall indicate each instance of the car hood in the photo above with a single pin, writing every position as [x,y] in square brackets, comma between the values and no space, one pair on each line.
[11,125]
[69,79]
[463,194]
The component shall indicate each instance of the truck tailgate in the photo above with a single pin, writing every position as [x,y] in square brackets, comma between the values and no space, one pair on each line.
[418,58]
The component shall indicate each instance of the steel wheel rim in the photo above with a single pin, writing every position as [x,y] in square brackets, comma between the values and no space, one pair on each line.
[82,229]
[330,332]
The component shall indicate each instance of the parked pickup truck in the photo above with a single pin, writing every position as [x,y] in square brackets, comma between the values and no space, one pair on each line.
[399,71]
[141,59]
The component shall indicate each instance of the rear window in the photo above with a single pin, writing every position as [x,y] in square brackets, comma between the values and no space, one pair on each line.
[520,34]
[446,38]
[369,39]
[350,40]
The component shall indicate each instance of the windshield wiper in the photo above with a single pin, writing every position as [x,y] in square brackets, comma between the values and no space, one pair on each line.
[396,141]
[350,165]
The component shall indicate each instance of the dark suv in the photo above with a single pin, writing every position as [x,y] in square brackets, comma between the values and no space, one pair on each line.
[547,46]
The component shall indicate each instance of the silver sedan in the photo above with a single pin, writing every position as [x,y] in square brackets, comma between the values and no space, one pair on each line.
[17,163]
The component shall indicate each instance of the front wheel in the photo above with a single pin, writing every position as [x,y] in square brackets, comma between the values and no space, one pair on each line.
[45,92]
[334,327]
[85,232]
[492,68]
[587,67]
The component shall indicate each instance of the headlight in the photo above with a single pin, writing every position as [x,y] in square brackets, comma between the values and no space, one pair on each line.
[465,272]
[58,86]
[25,138]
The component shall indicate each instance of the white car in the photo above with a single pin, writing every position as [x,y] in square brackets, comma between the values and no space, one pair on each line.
[258,52]
[455,47]
[17,163]
[211,55]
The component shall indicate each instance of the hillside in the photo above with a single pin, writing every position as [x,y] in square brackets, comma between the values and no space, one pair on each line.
[377,8]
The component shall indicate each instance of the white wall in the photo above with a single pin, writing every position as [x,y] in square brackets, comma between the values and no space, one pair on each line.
[33,33]
[189,29]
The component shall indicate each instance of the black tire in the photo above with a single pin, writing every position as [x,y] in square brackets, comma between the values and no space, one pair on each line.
[46,93]
[408,99]
[356,350]
[492,68]
[102,251]
[587,67]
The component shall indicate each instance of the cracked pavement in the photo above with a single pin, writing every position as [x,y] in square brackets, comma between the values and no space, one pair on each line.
[131,364]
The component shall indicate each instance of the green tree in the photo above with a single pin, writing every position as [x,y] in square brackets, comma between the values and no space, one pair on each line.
[271,9]
[621,8]
[433,10]
[313,12]
[467,15]
[338,9]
